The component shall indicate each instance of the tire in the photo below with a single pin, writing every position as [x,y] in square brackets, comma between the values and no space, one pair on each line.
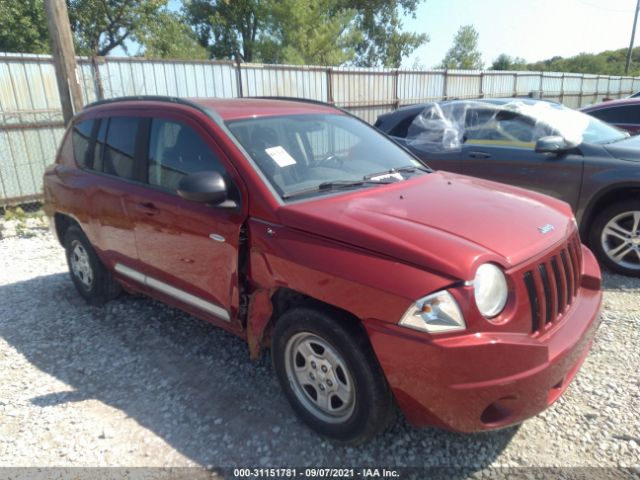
[614,237]
[315,347]
[92,280]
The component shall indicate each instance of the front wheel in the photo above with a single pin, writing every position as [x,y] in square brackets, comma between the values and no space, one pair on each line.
[615,238]
[330,375]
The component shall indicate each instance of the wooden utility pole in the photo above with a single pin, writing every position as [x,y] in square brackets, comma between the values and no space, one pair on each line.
[64,57]
[633,35]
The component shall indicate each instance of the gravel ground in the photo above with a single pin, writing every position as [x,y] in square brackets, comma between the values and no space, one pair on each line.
[136,383]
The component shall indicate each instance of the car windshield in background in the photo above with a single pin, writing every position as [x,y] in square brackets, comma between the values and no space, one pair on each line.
[574,126]
[314,153]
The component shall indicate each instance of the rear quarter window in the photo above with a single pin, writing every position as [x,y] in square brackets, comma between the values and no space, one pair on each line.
[120,146]
[82,142]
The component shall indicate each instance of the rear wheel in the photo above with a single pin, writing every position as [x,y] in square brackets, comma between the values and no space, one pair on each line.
[92,280]
[615,238]
[330,375]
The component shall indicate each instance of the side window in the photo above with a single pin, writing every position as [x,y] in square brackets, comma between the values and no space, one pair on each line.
[176,150]
[623,114]
[82,142]
[120,146]
[99,148]
[402,128]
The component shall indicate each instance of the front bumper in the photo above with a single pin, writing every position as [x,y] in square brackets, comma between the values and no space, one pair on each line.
[484,381]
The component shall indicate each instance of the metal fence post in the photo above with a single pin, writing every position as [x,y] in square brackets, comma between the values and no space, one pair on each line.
[540,91]
[515,84]
[444,84]
[562,89]
[481,84]
[97,78]
[396,98]
[239,76]
[330,85]
[581,90]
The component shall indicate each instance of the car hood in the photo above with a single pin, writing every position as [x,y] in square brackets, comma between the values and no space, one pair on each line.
[628,149]
[440,221]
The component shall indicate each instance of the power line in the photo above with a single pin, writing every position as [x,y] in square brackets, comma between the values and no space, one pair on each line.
[633,35]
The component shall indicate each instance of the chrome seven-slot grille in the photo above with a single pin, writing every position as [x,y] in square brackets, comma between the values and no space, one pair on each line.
[553,284]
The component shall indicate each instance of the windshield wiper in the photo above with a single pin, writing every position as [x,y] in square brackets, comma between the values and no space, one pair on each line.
[405,169]
[335,185]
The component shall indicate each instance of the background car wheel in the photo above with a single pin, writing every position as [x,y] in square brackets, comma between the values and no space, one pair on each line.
[92,280]
[330,375]
[615,238]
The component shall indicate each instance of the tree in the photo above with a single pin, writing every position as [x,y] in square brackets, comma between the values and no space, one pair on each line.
[23,28]
[310,32]
[506,62]
[383,41]
[99,26]
[170,37]
[228,28]
[362,32]
[464,54]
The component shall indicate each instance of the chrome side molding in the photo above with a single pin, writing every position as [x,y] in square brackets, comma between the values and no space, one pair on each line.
[174,292]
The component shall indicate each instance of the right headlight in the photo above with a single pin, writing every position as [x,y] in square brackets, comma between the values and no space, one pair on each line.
[490,290]
[435,313]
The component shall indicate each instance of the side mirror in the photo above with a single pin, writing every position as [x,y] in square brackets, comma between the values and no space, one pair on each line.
[203,187]
[552,144]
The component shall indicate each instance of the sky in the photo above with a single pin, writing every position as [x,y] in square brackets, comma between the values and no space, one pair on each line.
[531,29]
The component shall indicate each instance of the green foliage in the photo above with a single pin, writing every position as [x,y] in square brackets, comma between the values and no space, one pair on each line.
[170,37]
[15,213]
[506,62]
[609,62]
[328,32]
[464,54]
[383,42]
[99,26]
[23,27]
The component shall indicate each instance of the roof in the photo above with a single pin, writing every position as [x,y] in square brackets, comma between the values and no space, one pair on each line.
[236,108]
[611,103]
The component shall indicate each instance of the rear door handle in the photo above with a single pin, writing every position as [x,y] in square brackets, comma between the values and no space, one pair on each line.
[147,208]
[479,155]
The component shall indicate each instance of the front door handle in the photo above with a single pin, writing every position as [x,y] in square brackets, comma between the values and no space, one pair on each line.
[147,208]
[479,155]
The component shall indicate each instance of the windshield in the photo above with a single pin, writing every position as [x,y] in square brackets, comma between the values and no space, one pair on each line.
[315,153]
[576,127]
[517,123]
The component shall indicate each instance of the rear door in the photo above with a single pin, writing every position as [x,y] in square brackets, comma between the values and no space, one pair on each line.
[116,156]
[188,250]
[503,149]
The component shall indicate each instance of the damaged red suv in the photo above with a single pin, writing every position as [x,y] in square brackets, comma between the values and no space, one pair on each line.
[373,280]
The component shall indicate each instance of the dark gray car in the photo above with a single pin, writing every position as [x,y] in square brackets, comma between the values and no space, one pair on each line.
[541,146]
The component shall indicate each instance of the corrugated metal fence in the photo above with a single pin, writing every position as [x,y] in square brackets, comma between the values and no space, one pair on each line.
[31,120]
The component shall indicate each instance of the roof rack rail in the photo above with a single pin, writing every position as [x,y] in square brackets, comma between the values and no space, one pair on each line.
[149,98]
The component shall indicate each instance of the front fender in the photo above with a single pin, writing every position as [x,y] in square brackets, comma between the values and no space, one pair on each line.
[366,284]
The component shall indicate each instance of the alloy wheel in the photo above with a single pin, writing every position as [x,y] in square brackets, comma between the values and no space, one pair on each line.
[620,239]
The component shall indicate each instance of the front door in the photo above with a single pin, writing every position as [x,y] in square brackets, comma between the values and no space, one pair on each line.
[503,150]
[188,250]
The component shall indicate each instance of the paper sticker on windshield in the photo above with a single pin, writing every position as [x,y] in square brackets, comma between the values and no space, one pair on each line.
[280,156]
[385,176]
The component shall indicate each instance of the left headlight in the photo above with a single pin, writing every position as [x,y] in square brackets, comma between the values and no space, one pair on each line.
[490,290]
[435,313]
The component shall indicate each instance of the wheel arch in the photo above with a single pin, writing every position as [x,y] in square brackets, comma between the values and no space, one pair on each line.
[62,222]
[606,197]
[266,307]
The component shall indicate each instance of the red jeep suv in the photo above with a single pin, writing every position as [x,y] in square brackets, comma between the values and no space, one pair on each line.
[374,280]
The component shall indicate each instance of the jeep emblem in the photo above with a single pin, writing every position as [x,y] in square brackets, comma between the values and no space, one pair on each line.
[544,229]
